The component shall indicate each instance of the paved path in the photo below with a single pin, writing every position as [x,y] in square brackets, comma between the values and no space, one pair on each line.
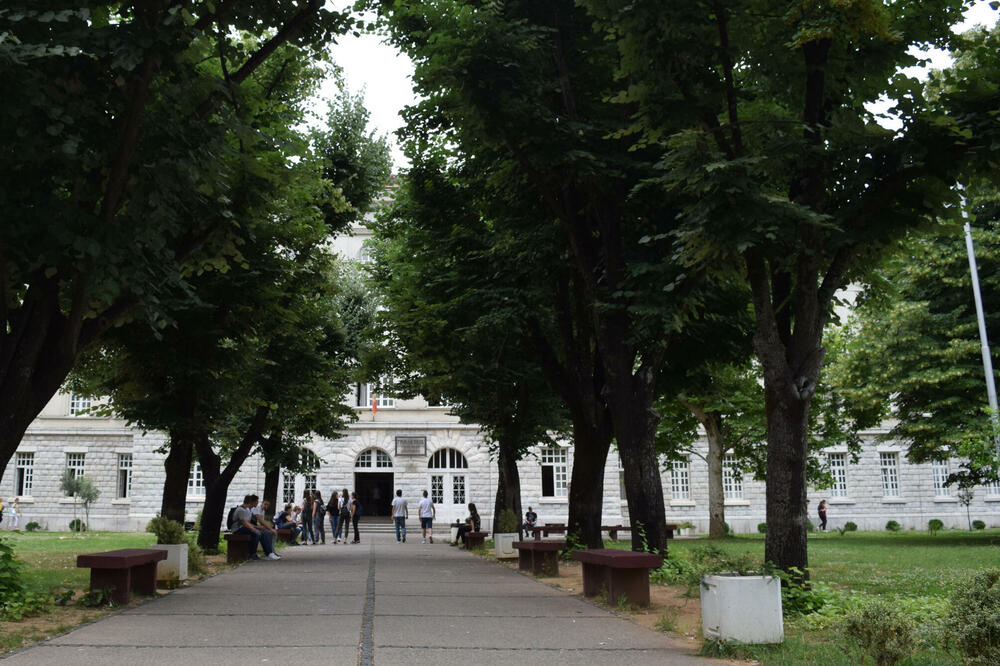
[376,603]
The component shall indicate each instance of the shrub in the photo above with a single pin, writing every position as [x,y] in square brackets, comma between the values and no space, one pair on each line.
[195,556]
[851,526]
[77,525]
[167,531]
[893,526]
[762,528]
[35,527]
[809,526]
[16,602]
[879,630]
[974,620]
[978,525]
[727,528]
[934,525]
[507,522]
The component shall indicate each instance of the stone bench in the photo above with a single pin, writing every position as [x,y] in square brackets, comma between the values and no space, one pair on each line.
[128,570]
[539,557]
[623,573]
[237,548]
[286,535]
[475,540]
[551,528]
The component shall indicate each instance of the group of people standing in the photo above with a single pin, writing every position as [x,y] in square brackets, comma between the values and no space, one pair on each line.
[309,519]
[13,513]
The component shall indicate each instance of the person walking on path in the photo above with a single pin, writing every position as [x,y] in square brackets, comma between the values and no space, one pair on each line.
[822,515]
[400,513]
[427,512]
[355,516]
[344,524]
[333,508]
[15,513]
[307,519]
[319,518]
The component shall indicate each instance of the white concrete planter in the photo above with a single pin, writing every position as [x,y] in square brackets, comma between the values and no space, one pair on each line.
[504,545]
[454,534]
[745,609]
[175,567]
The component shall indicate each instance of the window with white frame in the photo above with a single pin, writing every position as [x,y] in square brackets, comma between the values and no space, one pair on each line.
[78,404]
[838,470]
[437,488]
[24,463]
[196,480]
[732,479]
[448,459]
[680,479]
[940,473]
[76,463]
[376,458]
[554,474]
[366,254]
[288,488]
[993,489]
[124,475]
[309,483]
[458,489]
[889,466]
[363,397]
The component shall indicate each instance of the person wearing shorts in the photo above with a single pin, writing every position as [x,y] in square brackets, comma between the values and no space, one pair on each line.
[426,509]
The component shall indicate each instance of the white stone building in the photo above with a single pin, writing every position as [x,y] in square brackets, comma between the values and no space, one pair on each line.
[414,446]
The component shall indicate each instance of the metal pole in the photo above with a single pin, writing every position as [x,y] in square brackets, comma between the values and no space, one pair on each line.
[991,388]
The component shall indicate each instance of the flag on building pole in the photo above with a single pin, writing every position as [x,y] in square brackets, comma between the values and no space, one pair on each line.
[374,405]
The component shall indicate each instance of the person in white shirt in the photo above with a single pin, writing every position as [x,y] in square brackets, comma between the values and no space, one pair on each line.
[427,512]
[399,515]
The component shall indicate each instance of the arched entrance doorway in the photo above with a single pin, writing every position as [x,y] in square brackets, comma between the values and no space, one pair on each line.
[448,469]
[373,482]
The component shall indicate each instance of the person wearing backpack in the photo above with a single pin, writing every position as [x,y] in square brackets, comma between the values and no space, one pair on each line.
[319,518]
[307,519]
[344,524]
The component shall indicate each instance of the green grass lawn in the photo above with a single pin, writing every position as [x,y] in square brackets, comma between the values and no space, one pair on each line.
[50,557]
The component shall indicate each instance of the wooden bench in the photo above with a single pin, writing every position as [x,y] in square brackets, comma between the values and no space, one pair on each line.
[613,530]
[623,573]
[286,535]
[475,539]
[552,528]
[127,570]
[237,548]
[539,557]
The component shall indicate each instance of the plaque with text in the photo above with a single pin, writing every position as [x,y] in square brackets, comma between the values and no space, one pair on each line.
[411,446]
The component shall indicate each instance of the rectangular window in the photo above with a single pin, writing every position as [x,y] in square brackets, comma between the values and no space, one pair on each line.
[363,397]
[78,404]
[940,472]
[838,470]
[196,480]
[732,479]
[437,489]
[310,483]
[889,464]
[25,466]
[680,479]
[993,489]
[124,475]
[458,489]
[288,488]
[554,473]
[75,462]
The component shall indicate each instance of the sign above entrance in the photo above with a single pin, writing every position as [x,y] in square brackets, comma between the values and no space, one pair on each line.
[411,446]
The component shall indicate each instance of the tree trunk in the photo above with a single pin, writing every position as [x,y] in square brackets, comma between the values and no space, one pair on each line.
[716,497]
[591,444]
[269,447]
[787,515]
[271,479]
[178,468]
[508,485]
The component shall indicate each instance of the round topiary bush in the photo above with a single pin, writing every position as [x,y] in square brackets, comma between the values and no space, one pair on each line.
[974,620]
[167,531]
[77,525]
[893,526]
[762,528]
[850,526]
[934,525]
[32,527]
[978,525]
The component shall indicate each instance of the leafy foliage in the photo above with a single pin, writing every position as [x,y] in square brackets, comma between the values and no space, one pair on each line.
[167,531]
[934,525]
[882,632]
[893,526]
[974,620]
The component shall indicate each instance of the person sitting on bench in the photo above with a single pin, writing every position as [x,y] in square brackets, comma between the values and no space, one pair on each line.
[257,535]
[286,521]
[530,518]
[472,523]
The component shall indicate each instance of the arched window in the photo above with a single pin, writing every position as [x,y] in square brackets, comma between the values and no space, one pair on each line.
[373,458]
[448,459]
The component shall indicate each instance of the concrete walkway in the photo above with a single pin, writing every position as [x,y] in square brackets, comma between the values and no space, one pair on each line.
[376,603]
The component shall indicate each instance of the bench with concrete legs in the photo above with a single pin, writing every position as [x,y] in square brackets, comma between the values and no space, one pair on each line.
[623,573]
[237,548]
[475,540]
[539,557]
[128,570]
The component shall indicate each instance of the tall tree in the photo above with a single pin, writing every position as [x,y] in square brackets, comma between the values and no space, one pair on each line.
[762,110]
[110,157]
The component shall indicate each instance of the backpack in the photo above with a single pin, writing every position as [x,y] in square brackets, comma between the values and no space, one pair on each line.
[345,510]
[231,518]
[357,508]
